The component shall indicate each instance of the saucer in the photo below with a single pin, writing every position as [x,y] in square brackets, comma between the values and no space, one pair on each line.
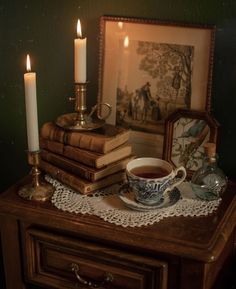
[127,196]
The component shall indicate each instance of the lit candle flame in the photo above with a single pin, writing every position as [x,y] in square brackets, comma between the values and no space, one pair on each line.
[126,41]
[120,24]
[28,65]
[79,31]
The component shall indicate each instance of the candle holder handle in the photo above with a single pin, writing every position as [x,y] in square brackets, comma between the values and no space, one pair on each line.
[37,189]
[98,107]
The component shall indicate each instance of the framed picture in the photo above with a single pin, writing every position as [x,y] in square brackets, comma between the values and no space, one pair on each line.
[148,69]
[186,133]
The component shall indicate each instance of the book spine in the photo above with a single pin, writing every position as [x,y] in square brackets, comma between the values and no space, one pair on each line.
[68,165]
[76,168]
[82,140]
[78,184]
[52,146]
[63,177]
[96,142]
[52,132]
[87,142]
[73,153]
[85,157]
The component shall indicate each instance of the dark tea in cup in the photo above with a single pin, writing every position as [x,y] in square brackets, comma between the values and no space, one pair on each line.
[149,172]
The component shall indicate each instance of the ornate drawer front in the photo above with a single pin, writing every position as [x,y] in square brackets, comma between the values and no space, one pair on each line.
[61,262]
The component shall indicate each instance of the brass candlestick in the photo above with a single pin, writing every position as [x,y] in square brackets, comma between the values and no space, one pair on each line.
[37,190]
[80,120]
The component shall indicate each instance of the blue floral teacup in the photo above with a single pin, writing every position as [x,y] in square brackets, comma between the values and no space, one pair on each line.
[151,179]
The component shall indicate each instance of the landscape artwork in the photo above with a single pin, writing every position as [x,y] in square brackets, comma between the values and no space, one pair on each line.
[148,69]
[154,79]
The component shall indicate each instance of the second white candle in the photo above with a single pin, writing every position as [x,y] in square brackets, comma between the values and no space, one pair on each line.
[31,108]
[80,56]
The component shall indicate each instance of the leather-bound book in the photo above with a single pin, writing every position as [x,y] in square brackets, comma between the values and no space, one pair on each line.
[89,158]
[79,184]
[81,170]
[101,140]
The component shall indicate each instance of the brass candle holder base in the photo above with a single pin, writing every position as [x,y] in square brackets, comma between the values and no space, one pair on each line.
[70,121]
[37,190]
[42,192]
[80,120]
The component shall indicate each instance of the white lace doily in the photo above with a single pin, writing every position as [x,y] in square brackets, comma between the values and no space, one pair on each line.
[108,206]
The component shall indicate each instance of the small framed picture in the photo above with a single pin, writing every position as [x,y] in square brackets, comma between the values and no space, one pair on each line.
[186,133]
[148,69]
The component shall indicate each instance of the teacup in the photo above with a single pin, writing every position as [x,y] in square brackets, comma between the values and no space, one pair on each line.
[152,178]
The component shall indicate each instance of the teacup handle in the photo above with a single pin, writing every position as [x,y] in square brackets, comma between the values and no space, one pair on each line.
[179,181]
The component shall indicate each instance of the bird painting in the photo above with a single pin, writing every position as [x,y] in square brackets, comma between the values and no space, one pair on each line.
[195,129]
[189,141]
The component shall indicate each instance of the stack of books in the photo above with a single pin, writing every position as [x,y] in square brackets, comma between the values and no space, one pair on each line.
[85,161]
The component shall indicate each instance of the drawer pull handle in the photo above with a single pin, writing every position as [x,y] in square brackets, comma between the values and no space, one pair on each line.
[108,278]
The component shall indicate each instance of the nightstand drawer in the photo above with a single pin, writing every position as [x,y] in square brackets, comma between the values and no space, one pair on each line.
[63,262]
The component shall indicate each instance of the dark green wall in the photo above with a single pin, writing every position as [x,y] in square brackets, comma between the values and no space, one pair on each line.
[46,29]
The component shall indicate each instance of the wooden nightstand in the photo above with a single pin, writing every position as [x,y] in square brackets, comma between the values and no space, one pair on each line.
[45,246]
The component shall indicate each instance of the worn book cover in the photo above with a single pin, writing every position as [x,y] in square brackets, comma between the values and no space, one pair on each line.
[93,159]
[81,170]
[79,184]
[102,140]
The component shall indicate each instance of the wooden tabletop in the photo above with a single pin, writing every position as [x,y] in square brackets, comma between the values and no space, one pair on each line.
[199,238]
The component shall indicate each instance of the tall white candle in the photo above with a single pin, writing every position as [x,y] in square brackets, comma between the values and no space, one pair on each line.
[31,108]
[80,56]
[124,62]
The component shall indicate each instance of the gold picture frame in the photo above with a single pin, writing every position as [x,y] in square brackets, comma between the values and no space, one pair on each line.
[148,69]
[186,132]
